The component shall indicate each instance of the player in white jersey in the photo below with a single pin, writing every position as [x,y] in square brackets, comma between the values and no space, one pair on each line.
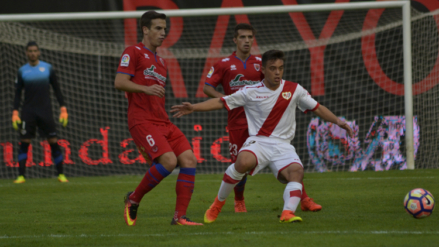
[270,108]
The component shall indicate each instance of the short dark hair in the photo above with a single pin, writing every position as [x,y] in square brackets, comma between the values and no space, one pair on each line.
[147,17]
[32,43]
[272,55]
[243,26]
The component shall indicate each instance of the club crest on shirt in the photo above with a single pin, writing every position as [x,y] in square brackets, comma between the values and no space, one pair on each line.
[286,95]
[125,61]
[42,69]
[210,72]
[257,66]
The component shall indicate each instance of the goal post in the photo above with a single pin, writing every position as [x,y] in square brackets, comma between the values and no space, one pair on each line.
[351,58]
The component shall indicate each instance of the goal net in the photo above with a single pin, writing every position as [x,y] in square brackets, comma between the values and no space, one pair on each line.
[350,61]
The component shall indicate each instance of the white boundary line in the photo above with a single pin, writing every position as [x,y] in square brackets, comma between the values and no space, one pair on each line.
[221,233]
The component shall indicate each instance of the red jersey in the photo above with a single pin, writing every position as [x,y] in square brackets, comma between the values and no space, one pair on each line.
[233,74]
[145,68]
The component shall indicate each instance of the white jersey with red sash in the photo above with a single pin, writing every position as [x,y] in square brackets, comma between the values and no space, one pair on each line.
[272,113]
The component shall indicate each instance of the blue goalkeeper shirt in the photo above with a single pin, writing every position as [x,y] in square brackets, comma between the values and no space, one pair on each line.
[36,81]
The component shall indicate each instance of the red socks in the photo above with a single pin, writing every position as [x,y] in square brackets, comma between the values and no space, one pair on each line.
[184,190]
[153,176]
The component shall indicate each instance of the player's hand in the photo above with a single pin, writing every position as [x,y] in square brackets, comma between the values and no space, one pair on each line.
[15,119]
[181,110]
[156,90]
[63,116]
[344,125]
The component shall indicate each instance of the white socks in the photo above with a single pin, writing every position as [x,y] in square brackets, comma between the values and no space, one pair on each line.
[292,195]
[230,179]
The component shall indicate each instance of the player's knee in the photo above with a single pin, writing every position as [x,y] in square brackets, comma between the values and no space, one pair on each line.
[233,173]
[188,162]
[187,159]
[168,160]
[293,173]
[245,162]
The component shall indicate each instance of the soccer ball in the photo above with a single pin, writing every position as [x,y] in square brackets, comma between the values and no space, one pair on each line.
[419,203]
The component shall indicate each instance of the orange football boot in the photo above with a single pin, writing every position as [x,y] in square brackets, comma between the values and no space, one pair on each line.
[213,211]
[308,204]
[288,216]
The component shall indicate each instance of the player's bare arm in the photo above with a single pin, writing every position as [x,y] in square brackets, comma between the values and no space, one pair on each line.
[187,108]
[327,115]
[123,82]
[211,92]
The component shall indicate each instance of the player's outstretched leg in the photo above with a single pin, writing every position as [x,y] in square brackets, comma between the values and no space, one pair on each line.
[307,203]
[291,196]
[155,174]
[239,196]
[184,189]
[230,179]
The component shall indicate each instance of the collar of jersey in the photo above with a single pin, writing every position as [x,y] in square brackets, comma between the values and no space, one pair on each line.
[244,62]
[155,53]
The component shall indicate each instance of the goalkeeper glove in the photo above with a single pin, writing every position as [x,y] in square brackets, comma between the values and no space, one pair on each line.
[15,119]
[63,116]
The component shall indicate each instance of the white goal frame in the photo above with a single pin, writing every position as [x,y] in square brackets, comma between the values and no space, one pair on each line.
[406,27]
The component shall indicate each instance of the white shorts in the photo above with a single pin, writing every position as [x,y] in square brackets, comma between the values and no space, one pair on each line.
[275,153]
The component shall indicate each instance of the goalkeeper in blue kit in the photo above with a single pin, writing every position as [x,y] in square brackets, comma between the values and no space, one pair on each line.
[35,77]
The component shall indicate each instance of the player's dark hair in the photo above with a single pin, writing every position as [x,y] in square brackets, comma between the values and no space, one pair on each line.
[32,43]
[272,55]
[147,17]
[243,26]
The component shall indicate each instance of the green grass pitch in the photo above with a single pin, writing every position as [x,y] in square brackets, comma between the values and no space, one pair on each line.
[359,209]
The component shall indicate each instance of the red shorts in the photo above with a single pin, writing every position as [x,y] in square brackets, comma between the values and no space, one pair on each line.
[155,139]
[236,140]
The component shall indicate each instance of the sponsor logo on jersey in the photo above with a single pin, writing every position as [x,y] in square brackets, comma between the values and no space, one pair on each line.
[225,59]
[125,61]
[257,66]
[151,74]
[258,58]
[262,97]
[248,143]
[146,56]
[210,72]
[238,83]
[232,67]
[286,95]
[42,69]
[138,48]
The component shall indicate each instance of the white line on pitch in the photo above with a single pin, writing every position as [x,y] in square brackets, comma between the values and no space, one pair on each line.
[222,233]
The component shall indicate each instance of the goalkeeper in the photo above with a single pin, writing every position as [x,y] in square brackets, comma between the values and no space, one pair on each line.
[35,78]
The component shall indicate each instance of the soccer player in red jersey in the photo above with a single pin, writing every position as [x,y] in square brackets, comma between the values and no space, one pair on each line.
[142,75]
[270,108]
[234,72]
